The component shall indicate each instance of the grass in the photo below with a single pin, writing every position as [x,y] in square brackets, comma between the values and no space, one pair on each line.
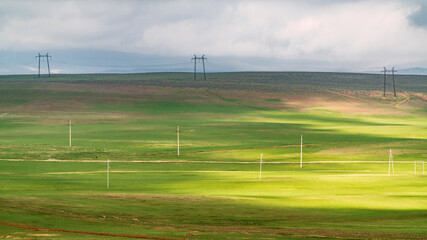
[213,189]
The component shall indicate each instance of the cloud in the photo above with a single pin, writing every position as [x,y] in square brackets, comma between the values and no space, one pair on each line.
[419,16]
[363,34]
[32,69]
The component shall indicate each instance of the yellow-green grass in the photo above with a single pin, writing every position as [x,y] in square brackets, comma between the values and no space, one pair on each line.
[205,197]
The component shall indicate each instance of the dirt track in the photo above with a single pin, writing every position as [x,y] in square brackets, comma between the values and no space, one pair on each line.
[294,232]
[32,228]
[217,151]
[302,233]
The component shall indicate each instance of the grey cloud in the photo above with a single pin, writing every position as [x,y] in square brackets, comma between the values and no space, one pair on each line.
[315,32]
[419,17]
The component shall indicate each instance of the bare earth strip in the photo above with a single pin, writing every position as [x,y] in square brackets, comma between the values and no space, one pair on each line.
[311,232]
[185,161]
[32,228]
[295,232]
[420,96]
[218,151]
[164,155]
[368,172]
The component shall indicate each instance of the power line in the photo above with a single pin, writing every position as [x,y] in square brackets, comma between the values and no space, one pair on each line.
[124,66]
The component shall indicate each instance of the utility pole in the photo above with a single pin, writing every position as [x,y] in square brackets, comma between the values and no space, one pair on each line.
[394,86]
[301,154]
[260,167]
[195,58]
[108,173]
[177,138]
[390,163]
[69,123]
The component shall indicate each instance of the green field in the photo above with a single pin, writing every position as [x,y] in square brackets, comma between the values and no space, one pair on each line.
[213,189]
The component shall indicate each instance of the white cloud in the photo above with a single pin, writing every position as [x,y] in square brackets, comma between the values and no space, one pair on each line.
[32,69]
[56,71]
[43,69]
[367,33]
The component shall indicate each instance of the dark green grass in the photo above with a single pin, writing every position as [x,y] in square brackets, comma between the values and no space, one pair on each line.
[302,82]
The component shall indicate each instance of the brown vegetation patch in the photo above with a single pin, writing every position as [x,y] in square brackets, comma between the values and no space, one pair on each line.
[376,150]
[64,121]
[348,102]
[47,105]
[250,98]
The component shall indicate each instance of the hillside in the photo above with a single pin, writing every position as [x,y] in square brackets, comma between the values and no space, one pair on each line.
[216,188]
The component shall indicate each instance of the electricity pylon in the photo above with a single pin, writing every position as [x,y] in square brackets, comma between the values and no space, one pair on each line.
[385,76]
[195,58]
[39,56]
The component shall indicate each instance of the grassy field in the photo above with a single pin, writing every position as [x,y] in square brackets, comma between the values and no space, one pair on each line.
[213,189]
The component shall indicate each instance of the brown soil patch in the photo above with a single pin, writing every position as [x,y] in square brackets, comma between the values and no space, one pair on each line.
[420,96]
[33,228]
[44,235]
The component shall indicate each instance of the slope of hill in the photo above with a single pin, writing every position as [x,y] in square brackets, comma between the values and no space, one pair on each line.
[216,188]
[413,71]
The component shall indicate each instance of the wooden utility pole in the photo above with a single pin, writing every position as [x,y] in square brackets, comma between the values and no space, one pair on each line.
[301,154]
[390,163]
[177,137]
[260,167]
[108,173]
[69,124]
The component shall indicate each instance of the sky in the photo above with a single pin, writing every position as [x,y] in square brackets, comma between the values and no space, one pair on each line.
[242,35]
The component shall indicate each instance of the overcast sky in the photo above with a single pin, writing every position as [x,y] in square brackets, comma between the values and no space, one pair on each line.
[121,35]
